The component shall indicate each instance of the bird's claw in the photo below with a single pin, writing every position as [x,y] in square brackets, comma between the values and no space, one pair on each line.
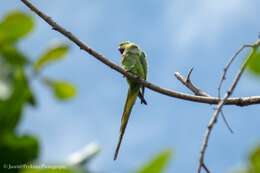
[128,71]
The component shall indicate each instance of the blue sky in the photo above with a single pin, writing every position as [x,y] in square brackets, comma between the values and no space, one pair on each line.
[176,35]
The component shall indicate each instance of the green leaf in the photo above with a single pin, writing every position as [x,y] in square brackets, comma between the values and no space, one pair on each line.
[17,150]
[12,55]
[14,26]
[255,160]
[11,109]
[254,63]
[62,90]
[51,55]
[157,164]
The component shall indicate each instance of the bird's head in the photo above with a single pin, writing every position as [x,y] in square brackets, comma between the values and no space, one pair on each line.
[127,45]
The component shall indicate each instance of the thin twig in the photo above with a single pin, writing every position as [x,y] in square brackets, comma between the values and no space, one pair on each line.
[223,77]
[219,106]
[243,101]
[187,82]
[205,168]
[226,122]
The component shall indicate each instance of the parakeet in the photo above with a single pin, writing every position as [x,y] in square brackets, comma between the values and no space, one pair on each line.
[134,61]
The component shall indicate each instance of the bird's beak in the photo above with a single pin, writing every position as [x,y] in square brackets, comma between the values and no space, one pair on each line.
[121,50]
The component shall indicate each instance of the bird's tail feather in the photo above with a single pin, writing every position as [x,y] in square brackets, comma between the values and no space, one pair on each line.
[130,100]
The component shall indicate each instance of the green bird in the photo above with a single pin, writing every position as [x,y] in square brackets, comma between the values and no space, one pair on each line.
[133,61]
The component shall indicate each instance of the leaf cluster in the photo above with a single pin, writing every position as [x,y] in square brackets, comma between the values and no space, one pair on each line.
[17,72]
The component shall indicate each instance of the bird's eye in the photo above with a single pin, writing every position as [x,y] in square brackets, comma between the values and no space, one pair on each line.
[121,50]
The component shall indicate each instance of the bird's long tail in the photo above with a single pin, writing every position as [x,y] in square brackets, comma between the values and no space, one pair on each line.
[130,101]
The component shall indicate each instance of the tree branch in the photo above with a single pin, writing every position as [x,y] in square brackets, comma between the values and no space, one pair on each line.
[239,101]
[200,96]
[215,114]
[187,82]
[223,77]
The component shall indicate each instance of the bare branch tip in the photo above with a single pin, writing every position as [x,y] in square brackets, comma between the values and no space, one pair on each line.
[189,74]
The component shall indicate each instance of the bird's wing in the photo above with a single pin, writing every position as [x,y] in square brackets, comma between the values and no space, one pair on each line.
[144,67]
[144,64]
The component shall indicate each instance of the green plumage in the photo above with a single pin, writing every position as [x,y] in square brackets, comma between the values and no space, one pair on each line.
[133,61]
